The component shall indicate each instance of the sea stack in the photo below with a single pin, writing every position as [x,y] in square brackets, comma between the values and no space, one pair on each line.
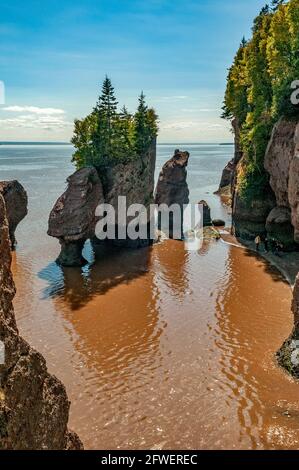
[172,187]
[16,202]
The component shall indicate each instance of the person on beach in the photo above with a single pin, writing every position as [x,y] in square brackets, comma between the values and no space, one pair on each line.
[257,242]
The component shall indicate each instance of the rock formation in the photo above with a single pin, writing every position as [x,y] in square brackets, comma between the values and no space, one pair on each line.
[135,181]
[276,211]
[227,175]
[16,202]
[249,217]
[288,355]
[281,162]
[172,187]
[34,407]
[206,214]
[72,219]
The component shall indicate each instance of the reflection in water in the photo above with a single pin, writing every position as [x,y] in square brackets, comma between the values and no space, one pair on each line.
[249,311]
[164,348]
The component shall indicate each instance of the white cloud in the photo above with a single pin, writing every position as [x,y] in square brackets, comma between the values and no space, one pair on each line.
[34,110]
[179,125]
[162,99]
[34,117]
[31,121]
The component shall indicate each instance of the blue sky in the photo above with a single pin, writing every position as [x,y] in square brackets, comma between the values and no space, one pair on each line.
[54,55]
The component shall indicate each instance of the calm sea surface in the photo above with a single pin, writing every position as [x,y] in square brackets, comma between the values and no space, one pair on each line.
[159,348]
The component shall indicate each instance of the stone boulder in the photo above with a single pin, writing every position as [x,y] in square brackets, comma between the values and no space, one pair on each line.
[227,176]
[206,213]
[72,219]
[172,187]
[34,407]
[16,202]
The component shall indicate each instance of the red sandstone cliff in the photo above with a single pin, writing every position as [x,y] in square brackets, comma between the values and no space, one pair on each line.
[34,407]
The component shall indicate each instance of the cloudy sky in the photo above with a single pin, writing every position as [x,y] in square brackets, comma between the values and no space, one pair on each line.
[54,55]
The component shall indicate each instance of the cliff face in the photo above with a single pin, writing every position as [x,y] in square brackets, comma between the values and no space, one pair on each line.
[33,404]
[281,162]
[276,211]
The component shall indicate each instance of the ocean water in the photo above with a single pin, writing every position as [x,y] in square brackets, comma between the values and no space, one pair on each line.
[159,348]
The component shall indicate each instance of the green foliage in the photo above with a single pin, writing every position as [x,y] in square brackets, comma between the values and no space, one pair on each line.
[107,137]
[259,87]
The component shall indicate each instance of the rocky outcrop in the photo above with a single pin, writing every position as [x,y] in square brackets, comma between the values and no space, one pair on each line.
[172,187]
[288,355]
[227,175]
[237,137]
[16,202]
[206,214]
[34,407]
[133,181]
[294,186]
[249,217]
[281,162]
[72,219]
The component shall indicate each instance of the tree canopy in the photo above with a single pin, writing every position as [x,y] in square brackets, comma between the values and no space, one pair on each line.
[259,90]
[108,136]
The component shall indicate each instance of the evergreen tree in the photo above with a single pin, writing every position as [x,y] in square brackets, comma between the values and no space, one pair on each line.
[142,131]
[106,137]
[259,87]
[106,111]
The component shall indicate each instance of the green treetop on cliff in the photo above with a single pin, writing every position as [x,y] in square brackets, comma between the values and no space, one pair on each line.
[106,137]
[259,87]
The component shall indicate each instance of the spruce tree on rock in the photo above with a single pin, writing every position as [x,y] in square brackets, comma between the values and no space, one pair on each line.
[142,131]
[106,111]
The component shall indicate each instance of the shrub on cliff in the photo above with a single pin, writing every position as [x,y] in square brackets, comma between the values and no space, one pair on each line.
[106,137]
[259,87]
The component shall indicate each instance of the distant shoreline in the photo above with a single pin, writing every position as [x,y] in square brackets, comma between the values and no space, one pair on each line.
[162,143]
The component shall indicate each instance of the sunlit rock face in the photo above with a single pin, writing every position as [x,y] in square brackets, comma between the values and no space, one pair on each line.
[73,219]
[34,407]
[16,202]
[282,164]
